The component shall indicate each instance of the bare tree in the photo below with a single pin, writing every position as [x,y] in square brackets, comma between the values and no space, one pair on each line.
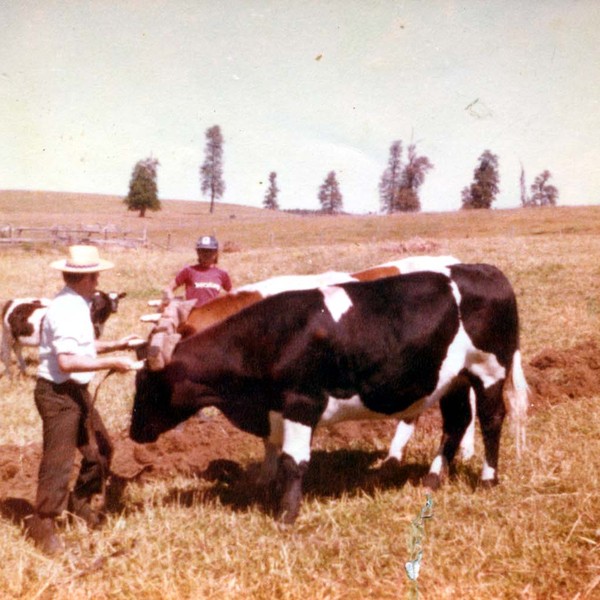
[211,172]
[482,192]
[143,191]
[330,196]
[270,200]
[525,201]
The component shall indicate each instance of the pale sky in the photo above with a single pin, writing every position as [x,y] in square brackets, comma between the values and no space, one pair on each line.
[88,88]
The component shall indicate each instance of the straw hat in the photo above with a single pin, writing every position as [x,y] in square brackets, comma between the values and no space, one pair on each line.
[82,259]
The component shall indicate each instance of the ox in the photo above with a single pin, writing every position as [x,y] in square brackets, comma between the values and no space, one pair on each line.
[219,309]
[377,349]
[22,319]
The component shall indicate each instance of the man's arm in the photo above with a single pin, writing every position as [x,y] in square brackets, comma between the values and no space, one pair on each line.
[71,363]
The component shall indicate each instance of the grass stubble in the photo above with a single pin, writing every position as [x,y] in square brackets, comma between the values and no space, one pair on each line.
[537,535]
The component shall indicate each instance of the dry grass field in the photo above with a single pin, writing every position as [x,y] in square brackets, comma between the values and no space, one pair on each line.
[191,526]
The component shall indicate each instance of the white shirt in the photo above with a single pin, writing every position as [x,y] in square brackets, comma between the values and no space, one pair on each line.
[66,329]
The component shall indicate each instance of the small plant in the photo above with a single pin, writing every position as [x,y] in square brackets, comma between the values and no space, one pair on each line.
[415,547]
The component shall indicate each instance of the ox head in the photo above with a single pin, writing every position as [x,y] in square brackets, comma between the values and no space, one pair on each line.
[103,305]
[163,399]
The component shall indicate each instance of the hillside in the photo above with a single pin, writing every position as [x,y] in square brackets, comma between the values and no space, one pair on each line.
[179,223]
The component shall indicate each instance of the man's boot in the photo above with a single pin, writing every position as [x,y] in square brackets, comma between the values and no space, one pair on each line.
[42,531]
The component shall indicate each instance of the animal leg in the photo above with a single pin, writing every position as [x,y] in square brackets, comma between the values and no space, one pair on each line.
[456,416]
[7,344]
[293,464]
[402,436]
[19,353]
[272,444]
[491,412]
[467,444]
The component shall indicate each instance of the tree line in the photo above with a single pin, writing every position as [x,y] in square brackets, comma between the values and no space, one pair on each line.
[398,187]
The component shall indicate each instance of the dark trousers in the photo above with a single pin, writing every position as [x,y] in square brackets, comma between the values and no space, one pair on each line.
[69,422]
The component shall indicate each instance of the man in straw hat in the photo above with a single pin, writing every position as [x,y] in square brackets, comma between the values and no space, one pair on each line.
[68,360]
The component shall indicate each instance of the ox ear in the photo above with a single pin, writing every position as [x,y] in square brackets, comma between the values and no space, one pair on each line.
[122,295]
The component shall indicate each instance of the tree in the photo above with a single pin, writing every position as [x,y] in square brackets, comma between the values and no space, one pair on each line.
[270,200]
[143,191]
[399,185]
[412,178]
[390,180]
[211,172]
[525,201]
[482,192]
[542,193]
[330,196]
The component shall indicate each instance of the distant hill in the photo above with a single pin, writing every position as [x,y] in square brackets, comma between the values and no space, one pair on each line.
[180,222]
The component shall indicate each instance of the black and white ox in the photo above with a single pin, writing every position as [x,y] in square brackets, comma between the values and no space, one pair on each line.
[22,320]
[207,315]
[389,347]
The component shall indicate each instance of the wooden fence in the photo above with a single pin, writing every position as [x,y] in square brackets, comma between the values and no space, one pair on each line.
[81,234]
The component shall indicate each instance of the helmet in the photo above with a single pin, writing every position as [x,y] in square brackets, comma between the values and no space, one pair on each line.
[207,242]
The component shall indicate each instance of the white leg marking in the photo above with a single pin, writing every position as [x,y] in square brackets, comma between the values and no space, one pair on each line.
[337,302]
[437,465]
[467,444]
[488,473]
[296,440]
[403,433]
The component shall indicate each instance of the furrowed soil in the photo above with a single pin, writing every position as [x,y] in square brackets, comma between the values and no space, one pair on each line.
[208,445]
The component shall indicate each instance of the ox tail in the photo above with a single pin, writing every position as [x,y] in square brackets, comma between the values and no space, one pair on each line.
[516,399]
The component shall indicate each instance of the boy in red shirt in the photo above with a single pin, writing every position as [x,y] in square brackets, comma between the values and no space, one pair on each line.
[203,281]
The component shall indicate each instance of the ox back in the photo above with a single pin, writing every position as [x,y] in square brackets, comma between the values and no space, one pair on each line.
[390,347]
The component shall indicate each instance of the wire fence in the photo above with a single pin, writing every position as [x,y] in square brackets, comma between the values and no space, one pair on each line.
[81,234]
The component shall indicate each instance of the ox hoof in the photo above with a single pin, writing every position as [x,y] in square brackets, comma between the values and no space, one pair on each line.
[488,484]
[388,463]
[286,518]
[432,481]
[389,468]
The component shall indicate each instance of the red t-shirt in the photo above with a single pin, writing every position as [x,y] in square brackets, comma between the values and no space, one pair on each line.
[203,285]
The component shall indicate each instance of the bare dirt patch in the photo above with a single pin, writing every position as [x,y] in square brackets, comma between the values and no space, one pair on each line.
[554,376]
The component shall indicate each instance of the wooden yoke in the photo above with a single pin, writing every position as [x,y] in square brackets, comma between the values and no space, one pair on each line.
[164,337]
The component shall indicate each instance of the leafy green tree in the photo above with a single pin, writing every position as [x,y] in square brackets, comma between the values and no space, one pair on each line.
[143,191]
[543,193]
[211,172]
[390,179]
[399,185]
[330,196]
[413,176]
[270,200]
[482,192]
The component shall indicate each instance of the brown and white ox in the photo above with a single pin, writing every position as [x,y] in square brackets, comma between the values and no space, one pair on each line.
[390,347]
[22,319]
